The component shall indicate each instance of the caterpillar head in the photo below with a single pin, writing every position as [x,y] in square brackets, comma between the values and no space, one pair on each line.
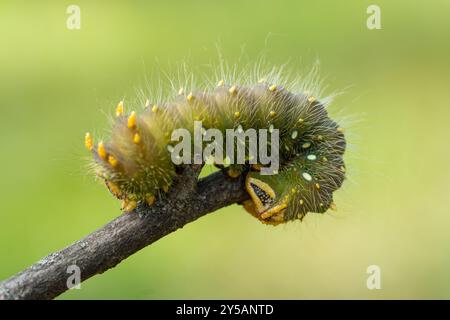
[266,202]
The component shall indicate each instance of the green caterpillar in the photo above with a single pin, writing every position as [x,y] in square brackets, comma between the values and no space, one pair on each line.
[136,161]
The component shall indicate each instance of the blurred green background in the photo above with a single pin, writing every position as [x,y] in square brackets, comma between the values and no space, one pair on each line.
[394,209]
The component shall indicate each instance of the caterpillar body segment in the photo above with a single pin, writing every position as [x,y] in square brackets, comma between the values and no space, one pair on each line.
[137,166]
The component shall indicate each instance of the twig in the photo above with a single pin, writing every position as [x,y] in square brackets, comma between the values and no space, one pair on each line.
[103,249]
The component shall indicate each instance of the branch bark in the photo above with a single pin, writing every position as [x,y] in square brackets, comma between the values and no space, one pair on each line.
[103,249]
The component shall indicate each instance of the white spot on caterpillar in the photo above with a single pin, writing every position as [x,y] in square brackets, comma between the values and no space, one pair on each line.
[294,134]
[170,148]
[311,157]
[306,145]
[271,127]
[307,176]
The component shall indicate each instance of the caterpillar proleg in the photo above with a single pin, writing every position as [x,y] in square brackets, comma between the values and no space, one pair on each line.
[137,160]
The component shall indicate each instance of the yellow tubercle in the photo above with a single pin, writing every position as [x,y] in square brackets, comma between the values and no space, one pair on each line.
[272,113]
[190,97]
[233,90]
[237,114]
[150,199]
[132,120]
[155,108]
[311,99]
[112,161]
[101,150]
[181,91]
[273,88]
[88,142]
[221,83]
[166,188]
[333,206]
[119,109]
[136,138]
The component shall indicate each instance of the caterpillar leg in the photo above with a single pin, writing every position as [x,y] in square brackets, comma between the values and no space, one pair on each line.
[273,212]
[128,205]
[276,218]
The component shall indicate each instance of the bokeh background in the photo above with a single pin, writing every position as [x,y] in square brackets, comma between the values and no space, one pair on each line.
[394,210]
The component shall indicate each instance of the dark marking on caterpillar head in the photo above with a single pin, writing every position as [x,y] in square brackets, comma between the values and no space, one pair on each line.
[262,195]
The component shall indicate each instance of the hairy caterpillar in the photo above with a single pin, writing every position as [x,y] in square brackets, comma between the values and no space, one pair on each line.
[136,161]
